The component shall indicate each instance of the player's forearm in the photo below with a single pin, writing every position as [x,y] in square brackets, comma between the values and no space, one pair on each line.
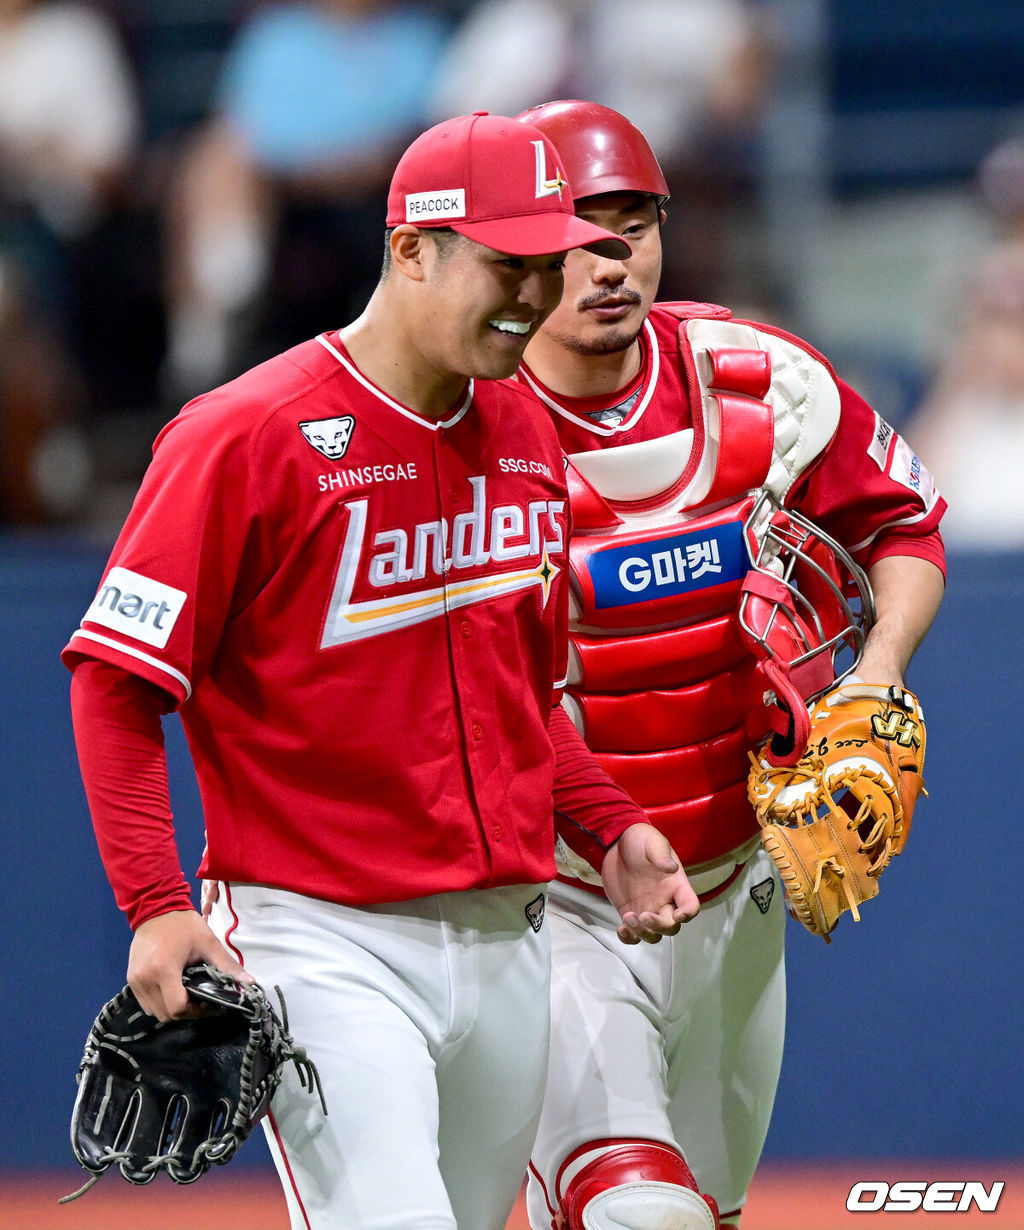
[908,591]
[124,770]
[592,811]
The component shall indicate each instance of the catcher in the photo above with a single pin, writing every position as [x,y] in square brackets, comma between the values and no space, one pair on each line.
[689,433]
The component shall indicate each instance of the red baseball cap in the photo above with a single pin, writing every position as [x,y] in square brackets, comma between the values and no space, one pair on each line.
[498,181]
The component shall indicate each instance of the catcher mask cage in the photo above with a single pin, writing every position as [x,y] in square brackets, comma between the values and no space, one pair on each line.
[805,610]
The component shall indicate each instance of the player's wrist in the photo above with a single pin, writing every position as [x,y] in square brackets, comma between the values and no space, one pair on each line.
[142,919]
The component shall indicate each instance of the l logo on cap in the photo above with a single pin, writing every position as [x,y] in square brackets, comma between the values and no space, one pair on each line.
[546,186]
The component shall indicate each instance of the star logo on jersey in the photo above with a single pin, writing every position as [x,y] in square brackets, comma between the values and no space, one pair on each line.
[329,436]
[546,573]
[545,185]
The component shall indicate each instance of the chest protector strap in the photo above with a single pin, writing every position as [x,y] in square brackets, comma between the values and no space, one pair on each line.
[743,430]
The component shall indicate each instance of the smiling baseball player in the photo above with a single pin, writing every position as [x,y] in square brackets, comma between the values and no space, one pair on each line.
[347,571]
[681,425]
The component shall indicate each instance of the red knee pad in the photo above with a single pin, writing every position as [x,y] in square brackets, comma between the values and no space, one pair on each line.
[627,1161]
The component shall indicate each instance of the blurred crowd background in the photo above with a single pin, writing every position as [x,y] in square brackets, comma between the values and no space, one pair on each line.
[187,186]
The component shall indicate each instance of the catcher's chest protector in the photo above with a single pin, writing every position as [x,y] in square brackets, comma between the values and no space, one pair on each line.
[662,684]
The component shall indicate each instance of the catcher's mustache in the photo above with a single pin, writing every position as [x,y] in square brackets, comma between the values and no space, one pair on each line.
[625,295]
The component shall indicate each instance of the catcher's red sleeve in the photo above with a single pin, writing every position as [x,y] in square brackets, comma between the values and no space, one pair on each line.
[120,743]
[876,498]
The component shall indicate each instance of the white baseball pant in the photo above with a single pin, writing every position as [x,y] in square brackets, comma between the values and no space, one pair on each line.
[428,1022]
[679,1042]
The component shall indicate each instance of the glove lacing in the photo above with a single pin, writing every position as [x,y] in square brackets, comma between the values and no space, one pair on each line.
[265,1033]
[309,1075]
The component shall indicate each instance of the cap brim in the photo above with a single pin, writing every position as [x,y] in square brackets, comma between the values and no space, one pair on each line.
[537,234]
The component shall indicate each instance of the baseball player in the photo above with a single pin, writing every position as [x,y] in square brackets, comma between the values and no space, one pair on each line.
[675,419]
[347,571]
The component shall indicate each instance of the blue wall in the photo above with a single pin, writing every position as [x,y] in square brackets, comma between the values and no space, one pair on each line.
[904,1034]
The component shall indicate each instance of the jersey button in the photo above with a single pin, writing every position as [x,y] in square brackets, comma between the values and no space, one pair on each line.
[497,832]
[476,730]
[465,628]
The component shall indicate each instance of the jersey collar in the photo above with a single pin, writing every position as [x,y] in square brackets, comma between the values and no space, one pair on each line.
[431,424]
[650,365]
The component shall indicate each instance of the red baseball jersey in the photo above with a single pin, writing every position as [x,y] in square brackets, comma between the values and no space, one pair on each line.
[867,488]
[361,613]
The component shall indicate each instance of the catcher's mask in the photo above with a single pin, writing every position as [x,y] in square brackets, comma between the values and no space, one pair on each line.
[805,610]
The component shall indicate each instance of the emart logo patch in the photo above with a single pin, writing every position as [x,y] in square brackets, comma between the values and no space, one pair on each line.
[136,606]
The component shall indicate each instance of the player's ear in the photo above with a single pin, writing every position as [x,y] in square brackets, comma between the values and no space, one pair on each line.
[408,245]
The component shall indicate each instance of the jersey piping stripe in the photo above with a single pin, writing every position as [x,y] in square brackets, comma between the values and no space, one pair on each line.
[356,374]
[890,525]
[631,419]
[136,653]
[228,942]
[276,1140]
[543,1187]
[286,1163]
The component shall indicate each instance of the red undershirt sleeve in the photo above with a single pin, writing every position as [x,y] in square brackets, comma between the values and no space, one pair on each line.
[120,742]
[591,811]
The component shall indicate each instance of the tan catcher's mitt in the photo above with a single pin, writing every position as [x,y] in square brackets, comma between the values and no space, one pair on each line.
[834,819]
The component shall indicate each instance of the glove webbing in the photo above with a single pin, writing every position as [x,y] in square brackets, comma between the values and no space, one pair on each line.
[815,773]
[213,1150]
[830,865]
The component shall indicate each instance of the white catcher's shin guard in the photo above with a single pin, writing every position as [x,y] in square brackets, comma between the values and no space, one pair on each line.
[648,1206]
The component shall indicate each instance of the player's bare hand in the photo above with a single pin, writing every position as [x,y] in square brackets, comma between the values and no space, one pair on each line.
[163,946]
[646,883]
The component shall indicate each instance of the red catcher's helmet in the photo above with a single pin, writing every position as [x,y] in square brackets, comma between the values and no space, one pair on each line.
[602,151]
